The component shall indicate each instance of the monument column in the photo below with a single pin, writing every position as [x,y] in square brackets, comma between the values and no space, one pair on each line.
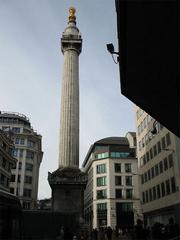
[68,181]
[71,44]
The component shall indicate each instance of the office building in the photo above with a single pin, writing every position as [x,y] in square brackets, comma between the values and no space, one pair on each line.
[158,152]
[28,152]
[7,161]
[111,194]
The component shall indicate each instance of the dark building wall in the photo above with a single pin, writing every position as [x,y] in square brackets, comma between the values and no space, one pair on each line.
[149,46]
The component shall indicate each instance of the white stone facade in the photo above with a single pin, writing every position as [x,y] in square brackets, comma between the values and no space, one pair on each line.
[159,167]
[110,187]
[71,44]
[28,152]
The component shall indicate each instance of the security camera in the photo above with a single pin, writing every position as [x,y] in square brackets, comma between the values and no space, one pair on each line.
[110,48]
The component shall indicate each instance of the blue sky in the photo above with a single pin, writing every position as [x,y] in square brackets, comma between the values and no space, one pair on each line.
[31,66]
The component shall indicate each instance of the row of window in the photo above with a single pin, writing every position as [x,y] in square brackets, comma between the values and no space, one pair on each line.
[161,190]
[156,149]
[20,152]
[114,155]
[123,207]
[21,141]
[159,168]
[26,193]
[144,124]
[4,180]
[4,163]
[148,137]
[101,168]
[128,193]
[28,179]
[102,181]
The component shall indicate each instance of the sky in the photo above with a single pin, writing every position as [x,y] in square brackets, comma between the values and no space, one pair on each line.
[31,65]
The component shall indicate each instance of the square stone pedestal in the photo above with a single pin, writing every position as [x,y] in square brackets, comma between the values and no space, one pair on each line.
[68,186]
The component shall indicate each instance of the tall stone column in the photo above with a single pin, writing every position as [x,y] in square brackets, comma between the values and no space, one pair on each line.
[68,181]
[71,44]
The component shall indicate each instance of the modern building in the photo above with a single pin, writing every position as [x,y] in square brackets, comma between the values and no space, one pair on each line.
[112,194]
[158,152]
[148,37]
[7,161]
[28,152]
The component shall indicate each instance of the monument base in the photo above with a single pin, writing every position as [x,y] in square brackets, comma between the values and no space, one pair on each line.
[68,184]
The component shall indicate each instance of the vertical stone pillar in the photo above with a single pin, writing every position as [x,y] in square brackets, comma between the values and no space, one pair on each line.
[71,44]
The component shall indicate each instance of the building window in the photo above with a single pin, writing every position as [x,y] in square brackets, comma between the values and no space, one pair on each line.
[165,164]
[117,167]
[27,192]
[20,166]
[28,179]
[101,168]
[21,152]
[101,181]
[163,189]
[147,156]
[128,180]
[120,154]
[22,141]
[29,167]
[167,187]
[15,152]
[12,190]
[102,155]
[151,153]
[16,130]
[13,178]
[30,154]
[144,159]
[163,143]
[157,169]
[101,206]
[145,177]
[173,184]
[158,191]
[30,143]
[159,147]
[143,197]
[170,159]
[150,194]
[127,167]
[160,166]
[168,139]
[26,205]
[155,150]
[19,178]
[129,193]
[2,179]
[147,196]
[154,193]
[118,180]
[152,172]
[149,174]
[118,193]
[142,179]
[16,140]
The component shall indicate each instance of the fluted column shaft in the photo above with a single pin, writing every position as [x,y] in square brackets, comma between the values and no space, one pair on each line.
[69,122]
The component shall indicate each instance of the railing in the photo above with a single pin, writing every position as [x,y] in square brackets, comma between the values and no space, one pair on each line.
[15,113]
